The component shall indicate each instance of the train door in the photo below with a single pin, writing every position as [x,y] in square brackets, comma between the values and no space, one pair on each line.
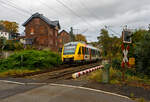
[79,54]
[90,54]
[83,52]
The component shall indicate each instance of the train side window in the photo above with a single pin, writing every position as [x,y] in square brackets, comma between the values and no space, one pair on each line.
[79,52]
[86,51]
[92,52]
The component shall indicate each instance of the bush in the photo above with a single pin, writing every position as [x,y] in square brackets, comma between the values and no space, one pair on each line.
[142,52]
[115,74]
[116,63]
[30,59]
[13,45]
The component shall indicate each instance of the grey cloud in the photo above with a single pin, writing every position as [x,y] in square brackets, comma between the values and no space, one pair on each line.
[94,14]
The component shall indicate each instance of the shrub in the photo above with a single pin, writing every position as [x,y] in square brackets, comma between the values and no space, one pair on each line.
[142,52]
[30,59]
[116,63]
[115,74]
[13,45]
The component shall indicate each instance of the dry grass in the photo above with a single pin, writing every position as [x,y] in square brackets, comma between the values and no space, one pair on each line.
[96,76]
[116,77]
[13,72]
[141,100]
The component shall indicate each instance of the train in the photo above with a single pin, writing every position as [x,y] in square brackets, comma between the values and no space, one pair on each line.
[77,52]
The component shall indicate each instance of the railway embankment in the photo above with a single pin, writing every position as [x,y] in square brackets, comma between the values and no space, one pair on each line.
[28,61]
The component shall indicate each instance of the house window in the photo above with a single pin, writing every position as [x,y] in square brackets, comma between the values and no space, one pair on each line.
[32,31]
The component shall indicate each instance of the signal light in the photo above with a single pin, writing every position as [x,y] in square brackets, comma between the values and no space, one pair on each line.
[126,35]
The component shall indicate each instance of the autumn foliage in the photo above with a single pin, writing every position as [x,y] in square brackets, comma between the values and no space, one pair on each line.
[80,37]
[11,27]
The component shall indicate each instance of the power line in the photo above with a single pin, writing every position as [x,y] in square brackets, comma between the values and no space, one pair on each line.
[73,12]
[14,6]
[88,10]
[112,30]
[24,10]
[19,13]
[48,6]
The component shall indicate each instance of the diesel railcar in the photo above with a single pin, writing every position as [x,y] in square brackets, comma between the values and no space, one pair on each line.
[74,52]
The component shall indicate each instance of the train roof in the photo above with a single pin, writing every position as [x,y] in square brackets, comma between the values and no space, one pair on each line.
[92,47]
[75,43]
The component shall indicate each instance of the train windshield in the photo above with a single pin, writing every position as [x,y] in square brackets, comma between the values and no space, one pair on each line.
[68,50]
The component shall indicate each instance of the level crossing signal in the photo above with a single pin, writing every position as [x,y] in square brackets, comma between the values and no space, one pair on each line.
[126,36]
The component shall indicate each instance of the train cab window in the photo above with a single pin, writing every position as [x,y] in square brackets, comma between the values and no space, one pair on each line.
[79,52]
[83,50]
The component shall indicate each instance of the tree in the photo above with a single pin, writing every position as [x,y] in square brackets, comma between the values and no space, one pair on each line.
[80,37]
[95,44]
[71,34]
[2,43]
[110,45]
[1,27]
[140,50]
[104,40]
[11,27]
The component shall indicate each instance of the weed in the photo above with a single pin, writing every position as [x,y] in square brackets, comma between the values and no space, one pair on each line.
[114,81]
[96,76]
[141,100]
[132,96]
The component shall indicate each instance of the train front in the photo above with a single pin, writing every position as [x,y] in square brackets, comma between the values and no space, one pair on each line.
[68,52]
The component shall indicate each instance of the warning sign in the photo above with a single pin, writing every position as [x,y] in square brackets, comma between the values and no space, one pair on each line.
[131,61]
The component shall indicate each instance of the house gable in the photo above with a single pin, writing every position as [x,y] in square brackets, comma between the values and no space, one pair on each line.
[46,20]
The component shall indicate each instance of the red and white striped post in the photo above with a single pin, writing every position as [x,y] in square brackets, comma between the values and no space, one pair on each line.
[125,59]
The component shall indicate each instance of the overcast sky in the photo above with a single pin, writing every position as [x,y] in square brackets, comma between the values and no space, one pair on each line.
[85,16]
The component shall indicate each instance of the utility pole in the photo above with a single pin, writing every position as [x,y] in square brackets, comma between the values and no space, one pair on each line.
[71,34]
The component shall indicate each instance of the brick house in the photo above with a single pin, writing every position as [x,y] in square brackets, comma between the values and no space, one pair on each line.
[41,32]
[63,38]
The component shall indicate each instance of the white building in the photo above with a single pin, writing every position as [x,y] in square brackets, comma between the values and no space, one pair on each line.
[5,34]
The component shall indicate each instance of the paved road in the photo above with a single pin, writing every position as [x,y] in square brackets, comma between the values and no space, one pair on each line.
[53,93]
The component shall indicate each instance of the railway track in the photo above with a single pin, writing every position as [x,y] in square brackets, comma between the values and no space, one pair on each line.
[62,74]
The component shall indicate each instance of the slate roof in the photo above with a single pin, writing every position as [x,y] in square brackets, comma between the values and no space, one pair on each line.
[48,21]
